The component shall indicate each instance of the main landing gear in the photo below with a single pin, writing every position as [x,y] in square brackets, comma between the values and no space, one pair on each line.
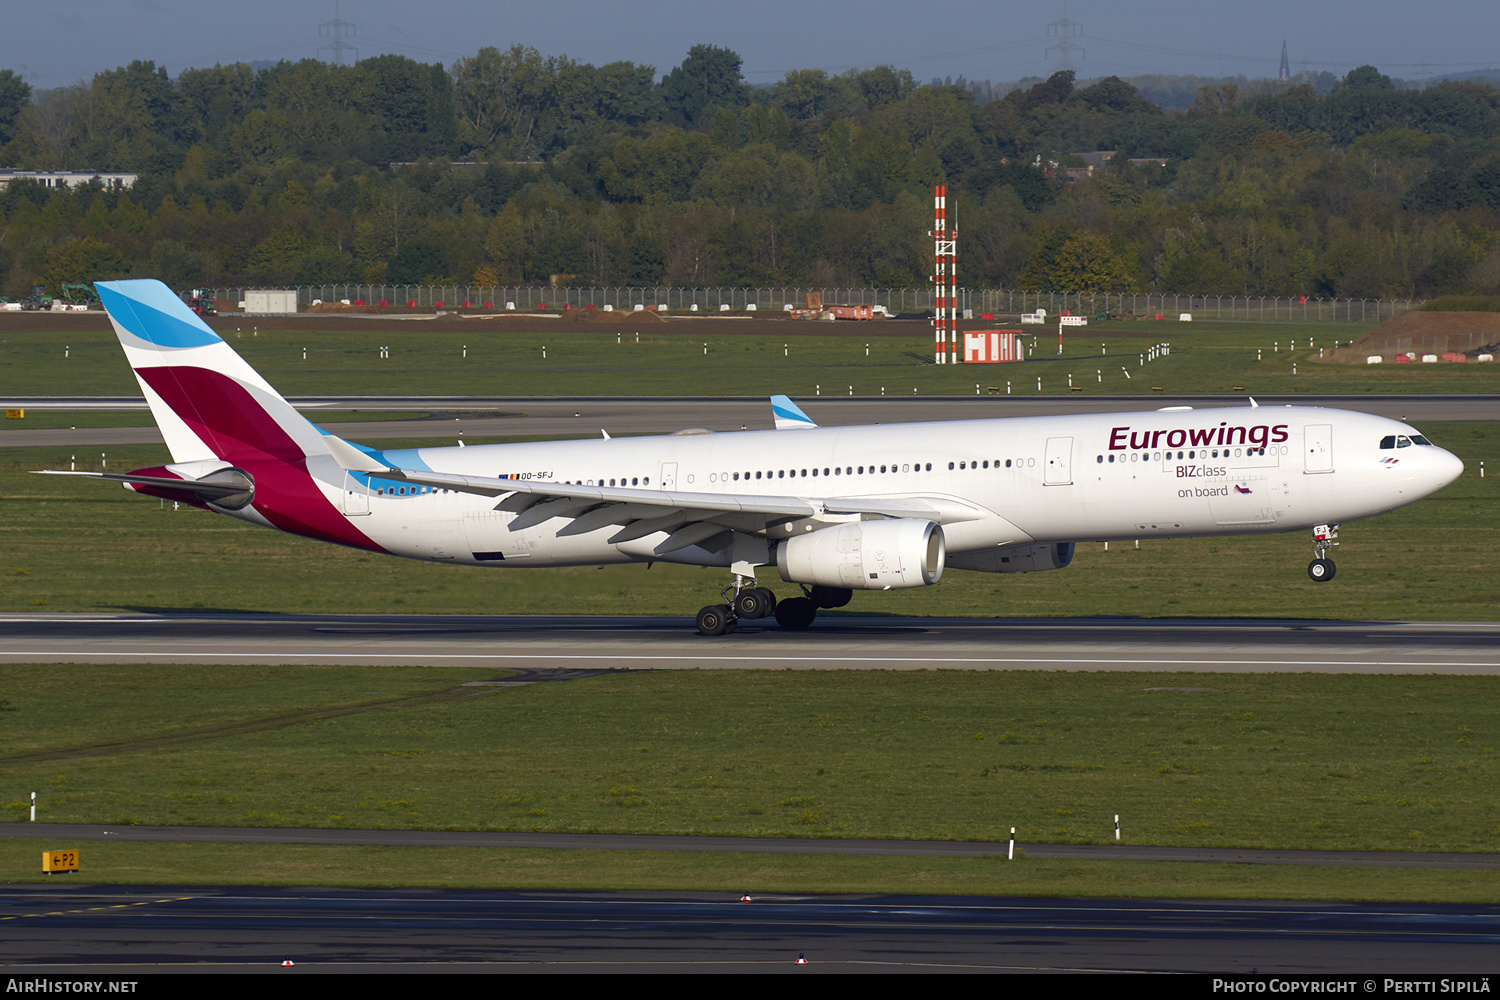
[1321,569]
[748,602]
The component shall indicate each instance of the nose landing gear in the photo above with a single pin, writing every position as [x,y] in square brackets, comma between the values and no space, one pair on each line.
[1322,569]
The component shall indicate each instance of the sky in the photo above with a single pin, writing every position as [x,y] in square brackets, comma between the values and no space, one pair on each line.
[60,42]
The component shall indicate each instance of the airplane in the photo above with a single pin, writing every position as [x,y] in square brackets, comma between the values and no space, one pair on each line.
[834,509]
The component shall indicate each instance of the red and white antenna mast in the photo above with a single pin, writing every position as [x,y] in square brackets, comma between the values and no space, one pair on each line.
[945,280]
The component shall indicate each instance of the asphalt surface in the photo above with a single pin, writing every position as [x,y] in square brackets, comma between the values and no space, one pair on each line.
[91,931]
[546,643]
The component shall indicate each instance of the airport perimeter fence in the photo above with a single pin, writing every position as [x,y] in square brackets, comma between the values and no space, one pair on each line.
[974,302]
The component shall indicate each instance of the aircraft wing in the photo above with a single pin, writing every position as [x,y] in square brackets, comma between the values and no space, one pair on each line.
[695,517]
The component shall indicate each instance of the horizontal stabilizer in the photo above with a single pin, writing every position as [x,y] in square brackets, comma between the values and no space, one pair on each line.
[207,491]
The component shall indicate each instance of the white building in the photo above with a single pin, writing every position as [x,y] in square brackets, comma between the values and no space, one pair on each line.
[66,178]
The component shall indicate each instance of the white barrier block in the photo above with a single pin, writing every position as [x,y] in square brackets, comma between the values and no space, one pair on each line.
[723,307]
[608,308]
[693,308]
[638,307]
[1485,357]
[1374,359]
[510,305]
[1428,358]
[1185,317]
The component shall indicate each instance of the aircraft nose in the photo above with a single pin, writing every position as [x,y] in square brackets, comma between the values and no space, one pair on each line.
[1446,467]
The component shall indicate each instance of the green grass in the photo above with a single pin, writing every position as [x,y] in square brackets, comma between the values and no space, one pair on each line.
[71,545]
[1333,762]
[512,868]
[1205,358]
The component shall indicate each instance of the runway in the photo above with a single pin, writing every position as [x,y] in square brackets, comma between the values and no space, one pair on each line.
[544,643]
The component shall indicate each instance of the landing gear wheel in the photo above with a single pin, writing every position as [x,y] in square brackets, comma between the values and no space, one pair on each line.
[715,620]
[1321,570]
[796,613]
[754,602]
[830,597]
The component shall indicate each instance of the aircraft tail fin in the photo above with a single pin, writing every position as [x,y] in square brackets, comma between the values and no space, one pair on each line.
[789,416]
[207,401]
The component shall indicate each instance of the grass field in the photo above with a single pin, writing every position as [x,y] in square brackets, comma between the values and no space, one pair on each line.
[512,868]
[1204,358]
[1285,761]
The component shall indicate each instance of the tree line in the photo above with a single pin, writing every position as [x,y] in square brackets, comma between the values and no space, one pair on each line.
[509,167]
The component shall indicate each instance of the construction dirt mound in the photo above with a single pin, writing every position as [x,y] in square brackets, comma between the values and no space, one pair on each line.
[1418,333]
[613,316]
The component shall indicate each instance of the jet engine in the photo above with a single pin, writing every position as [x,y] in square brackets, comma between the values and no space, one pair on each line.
[1015,558]
[865,555]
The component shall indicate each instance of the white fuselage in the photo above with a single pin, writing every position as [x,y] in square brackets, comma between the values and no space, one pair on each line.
[1164,473]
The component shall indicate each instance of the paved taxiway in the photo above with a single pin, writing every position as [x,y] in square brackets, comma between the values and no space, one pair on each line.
[487,642]
[88,930]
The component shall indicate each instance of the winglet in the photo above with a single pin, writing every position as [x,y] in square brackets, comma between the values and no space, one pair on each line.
[789,416]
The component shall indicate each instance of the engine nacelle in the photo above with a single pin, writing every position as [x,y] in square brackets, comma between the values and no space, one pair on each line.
[1032,558]
[865,555]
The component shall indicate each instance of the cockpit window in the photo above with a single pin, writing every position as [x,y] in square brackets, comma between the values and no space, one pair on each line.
[1388,442]
[1419,439]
